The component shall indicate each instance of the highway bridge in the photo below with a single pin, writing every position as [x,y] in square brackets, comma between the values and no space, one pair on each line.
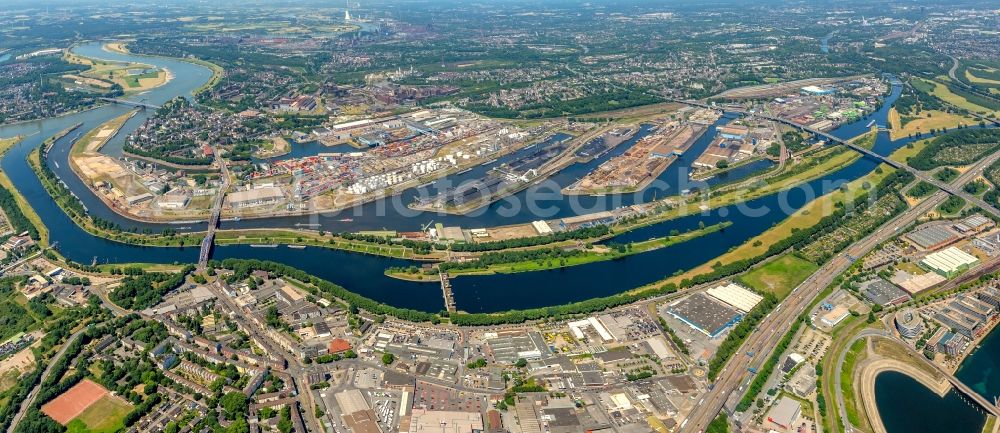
[139,104]
[926,177]
[758,346]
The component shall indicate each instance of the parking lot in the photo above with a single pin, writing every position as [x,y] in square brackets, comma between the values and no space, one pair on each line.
[386,407]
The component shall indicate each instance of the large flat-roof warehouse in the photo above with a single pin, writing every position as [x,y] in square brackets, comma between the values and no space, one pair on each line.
[704,314]
[736,296]
[443,421]
[949,262]
[882,292]
[933,237]
[508,348]
[255,197]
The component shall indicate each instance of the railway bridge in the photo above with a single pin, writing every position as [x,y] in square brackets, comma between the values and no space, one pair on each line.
[140,104]
[213,222]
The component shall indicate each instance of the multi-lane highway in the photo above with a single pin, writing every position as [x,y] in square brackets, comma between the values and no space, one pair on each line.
[924,176]
[954,79]
[762,342]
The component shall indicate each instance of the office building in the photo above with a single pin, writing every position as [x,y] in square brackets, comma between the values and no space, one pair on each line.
[908,323]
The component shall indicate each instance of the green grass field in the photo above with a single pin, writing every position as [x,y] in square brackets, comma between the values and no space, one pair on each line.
[107,415]
[781,275]
[8,379]
[848,327]
[854,355]
[925,121]
[904,153]
[133,80]
[943,93]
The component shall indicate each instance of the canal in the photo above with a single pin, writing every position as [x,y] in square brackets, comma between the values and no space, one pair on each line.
[363,273]
[906,406]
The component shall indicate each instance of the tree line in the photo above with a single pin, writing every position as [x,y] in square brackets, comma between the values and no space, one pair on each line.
[56,333]
[559,312]
[18,221]
[746,326]
[242,268]
[496,258]
[760,379]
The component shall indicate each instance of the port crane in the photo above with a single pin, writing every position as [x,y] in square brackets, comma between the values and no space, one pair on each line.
[424,227]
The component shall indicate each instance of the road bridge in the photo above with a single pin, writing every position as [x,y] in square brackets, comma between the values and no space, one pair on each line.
[209,240]
[139,104]
[971,394]
[926,177]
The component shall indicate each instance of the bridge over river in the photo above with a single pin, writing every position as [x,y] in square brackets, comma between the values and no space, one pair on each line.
[140,104]
[924,176]
[213,223]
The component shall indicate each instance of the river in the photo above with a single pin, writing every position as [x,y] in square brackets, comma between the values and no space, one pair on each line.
[363,273]
[981,369]
[824,43]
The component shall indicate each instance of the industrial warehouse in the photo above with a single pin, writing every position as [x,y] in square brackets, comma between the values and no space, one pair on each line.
[716,310]
[933,237]
[704,314]
[949,262]
[736,296]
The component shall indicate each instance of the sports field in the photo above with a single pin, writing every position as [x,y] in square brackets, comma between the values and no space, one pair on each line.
[74,401]
[106,415]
